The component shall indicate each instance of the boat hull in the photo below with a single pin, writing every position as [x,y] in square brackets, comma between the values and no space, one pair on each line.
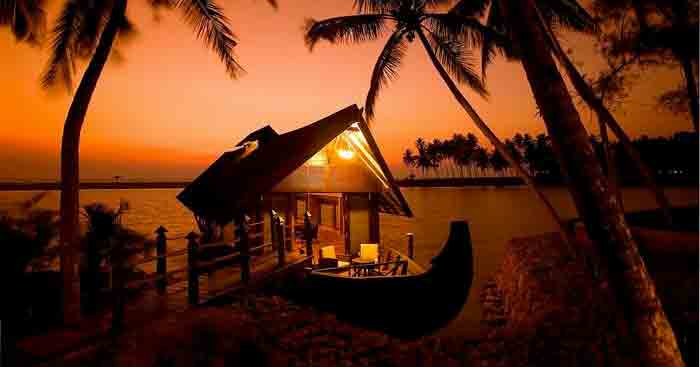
[405,305]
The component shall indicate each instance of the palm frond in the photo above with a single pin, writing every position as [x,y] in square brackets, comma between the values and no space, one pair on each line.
[348,29]
[568,14]
[467,29]
[25,18]
[436,3]
[91,20]
[127,29]
[61,64]
[211,25]
[493,46]
[376,6]
[470,8]
[385,70]
[457,60]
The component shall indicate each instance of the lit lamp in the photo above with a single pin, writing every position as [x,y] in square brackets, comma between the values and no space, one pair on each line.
[344,150]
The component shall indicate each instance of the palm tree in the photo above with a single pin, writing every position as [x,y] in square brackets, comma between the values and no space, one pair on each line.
[435,151]
[460,153]
[525,23]
[481,157]
[409,160]
[441,36]
[423,159]
[606,119]
[88,29]
[26,19]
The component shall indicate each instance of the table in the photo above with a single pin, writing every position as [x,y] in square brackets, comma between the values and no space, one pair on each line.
[362,270]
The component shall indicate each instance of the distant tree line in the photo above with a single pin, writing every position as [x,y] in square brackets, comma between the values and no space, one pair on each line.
[673,159]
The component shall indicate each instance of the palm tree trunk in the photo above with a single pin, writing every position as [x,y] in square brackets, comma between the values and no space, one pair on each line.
[70,160]
[692,88]
[604,116]
[611,168]
[597,206]
[498,145]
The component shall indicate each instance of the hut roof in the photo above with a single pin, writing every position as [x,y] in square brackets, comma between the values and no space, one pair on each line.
[237,179]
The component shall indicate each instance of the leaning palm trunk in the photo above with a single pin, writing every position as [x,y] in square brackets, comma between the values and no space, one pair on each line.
[607,119]
[692,89]
[602,215]
[613,179]
[498,145]
[70,173]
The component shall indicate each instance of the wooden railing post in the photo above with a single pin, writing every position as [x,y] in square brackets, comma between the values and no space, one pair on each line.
[192,271]
[282,233]
[161,263]
[118,260]
[243,227]
[273,229]
[308,234]
[410,245]
[278,234]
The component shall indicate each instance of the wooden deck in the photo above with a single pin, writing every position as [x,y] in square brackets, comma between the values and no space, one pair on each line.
[148,306]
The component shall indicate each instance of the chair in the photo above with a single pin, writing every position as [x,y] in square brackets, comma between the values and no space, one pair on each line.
[369,252]
[328,258]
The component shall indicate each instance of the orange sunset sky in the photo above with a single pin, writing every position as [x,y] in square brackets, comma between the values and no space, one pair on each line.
[166,108]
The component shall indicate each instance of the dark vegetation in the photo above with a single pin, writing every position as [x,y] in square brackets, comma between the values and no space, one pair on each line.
[28,236]
[674,160]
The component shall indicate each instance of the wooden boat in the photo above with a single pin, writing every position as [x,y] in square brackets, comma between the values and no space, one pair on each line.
[405,305]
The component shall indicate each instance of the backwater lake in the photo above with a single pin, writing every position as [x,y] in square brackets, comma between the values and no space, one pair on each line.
[495,215]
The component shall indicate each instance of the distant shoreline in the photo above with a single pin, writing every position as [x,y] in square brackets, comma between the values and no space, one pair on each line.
[50,186]
[418,182]
[514,181]
[461,182]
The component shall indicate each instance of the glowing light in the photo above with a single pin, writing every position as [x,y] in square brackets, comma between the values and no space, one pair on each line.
[346,154]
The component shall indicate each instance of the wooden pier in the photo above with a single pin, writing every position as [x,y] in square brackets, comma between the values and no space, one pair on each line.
[236,268]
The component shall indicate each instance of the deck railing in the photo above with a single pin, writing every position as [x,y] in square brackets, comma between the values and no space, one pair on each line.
[240,256]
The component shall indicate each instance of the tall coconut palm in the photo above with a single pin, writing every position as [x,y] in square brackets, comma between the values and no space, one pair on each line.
[525,24]
[26,19]
[439,33]
[89,29]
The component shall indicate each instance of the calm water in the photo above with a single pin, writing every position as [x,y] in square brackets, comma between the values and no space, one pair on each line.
[495,215]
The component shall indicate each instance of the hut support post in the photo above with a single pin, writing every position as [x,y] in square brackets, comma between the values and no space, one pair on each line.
[259,228]
[244,238]
[192,271]
[291,214]
[373,217]
[308,234]
[278,240]
[161,263]
[410,245]
[345,206]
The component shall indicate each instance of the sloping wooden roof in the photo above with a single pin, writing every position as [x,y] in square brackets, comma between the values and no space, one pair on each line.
[237,179]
